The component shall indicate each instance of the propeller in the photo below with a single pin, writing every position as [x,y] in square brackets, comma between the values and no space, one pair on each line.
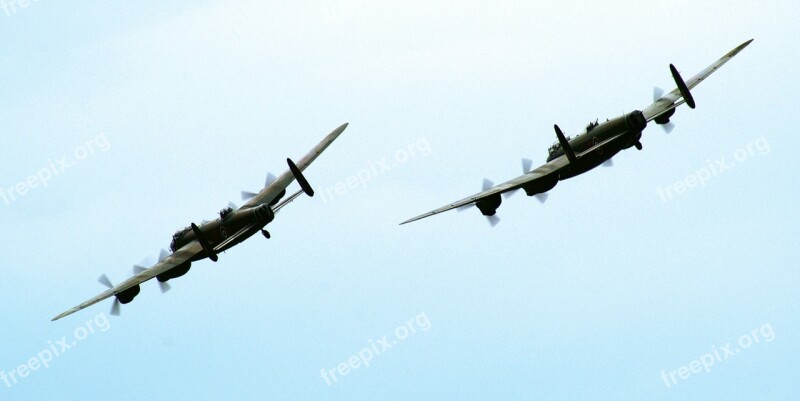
[246,195]
[164,286]
[527,166]
[115,307]
[270,178]
[493,220]
[657,94]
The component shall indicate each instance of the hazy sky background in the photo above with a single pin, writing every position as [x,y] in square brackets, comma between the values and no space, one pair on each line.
[589,296]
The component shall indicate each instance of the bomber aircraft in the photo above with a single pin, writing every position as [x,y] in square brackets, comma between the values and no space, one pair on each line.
[596,146]
[208,239]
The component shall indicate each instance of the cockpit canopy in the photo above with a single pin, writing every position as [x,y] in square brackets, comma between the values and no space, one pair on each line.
[224,213]
[555,149]
[177,237]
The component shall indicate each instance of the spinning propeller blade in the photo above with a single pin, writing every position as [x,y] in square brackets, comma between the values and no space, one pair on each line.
[527,166]
[247,195]
[657,94]
[115,307]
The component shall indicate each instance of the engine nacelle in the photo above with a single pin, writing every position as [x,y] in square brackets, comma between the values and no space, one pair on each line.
[175,272]
[265,214]
[278,198]
[128,295]
[664,118]
[488,206]
[541,186]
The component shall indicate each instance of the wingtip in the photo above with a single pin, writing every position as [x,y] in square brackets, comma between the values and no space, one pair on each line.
[738,49]
[413,219]
[338,131]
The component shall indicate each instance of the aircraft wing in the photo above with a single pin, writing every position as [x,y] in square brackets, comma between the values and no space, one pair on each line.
[546,170]
[276,187]
[552,167]
[175,259]
[245,230]
[194,248]
[674,99]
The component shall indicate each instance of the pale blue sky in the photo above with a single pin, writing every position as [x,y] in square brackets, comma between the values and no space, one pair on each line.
[589,296]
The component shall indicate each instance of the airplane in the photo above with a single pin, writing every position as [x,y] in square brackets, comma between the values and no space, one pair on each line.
[570,157]
[209,239]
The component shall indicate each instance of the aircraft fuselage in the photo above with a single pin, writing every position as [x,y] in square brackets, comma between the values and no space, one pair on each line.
[629,127]
[230,222]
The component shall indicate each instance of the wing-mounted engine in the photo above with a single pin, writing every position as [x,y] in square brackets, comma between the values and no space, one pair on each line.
[664,118]
[128,295]
[122,297]
[175,272]
[683,89]
[488,205]
[265,214]
[278,198]
[541,185]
